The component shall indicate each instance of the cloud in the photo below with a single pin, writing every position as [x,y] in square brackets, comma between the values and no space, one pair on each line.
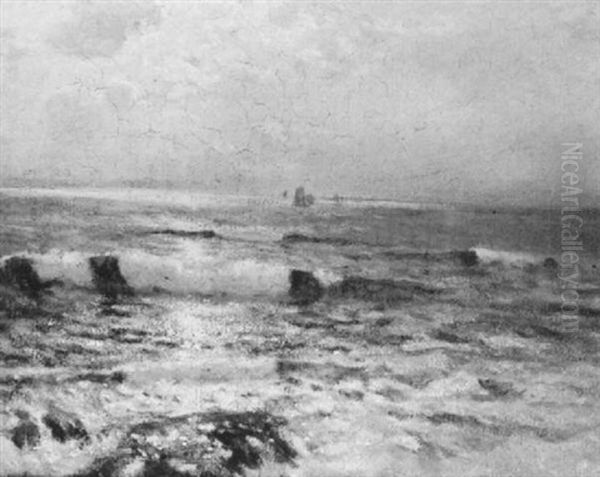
[395,99]
[98,29]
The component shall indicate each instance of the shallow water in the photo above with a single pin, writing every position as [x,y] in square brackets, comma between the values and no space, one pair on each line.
[478,380]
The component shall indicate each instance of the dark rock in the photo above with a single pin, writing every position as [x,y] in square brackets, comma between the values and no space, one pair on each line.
[103,378]
[213,444]
[107,277]
[19,273]
[65,426]
[106,467]
[457,419]
[113,466]
[304,287]
[26,434]
[418,381]
[285,366]
[378,289]
[300,238]
[162,468]
[497,388]
[353,394]
[207,234]
[468,258]
[21,291]
[233,430]
[384,321]
[448,337]
[550,264]
[118,332]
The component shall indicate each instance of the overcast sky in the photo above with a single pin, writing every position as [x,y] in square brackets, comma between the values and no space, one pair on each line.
[443,101]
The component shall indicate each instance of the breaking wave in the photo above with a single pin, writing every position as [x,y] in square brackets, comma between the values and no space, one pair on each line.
[194,270]
[185,272]
[488,256]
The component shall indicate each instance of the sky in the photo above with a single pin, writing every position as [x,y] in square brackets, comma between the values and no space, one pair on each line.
[436,101]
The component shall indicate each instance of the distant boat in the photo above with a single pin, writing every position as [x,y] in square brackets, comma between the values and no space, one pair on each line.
[301,199]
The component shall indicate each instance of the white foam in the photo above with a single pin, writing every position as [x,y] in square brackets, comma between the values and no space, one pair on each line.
[189,271]
[195,269]
[327,277]
[487,255]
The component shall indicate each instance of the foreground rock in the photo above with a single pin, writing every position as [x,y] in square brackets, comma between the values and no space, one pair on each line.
[65,426]
[304,288]
[18,272]
[108,279]
[26,434]
[22,291]
[215,444]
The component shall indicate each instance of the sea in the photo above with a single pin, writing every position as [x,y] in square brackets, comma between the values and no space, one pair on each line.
[482,366]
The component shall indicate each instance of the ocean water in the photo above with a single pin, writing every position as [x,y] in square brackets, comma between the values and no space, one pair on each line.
[479,379]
